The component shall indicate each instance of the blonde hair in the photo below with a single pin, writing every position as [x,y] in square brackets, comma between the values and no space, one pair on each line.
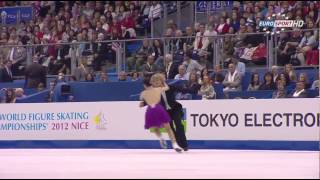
[157,77]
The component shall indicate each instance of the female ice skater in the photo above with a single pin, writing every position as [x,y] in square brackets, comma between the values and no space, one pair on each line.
[156,116]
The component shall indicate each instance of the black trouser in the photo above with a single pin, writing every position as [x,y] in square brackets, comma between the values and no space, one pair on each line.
[177,127]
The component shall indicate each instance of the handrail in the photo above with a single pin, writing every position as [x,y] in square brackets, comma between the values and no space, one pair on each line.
[132,40]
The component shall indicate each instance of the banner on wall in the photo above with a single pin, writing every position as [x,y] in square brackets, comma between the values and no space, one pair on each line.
[273,120]
[203,6]
[14,15]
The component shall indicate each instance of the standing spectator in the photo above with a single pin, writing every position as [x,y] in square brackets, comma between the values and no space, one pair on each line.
[268,83]
[6,73]
[255,82]
[35,74]
[17,55]
[100,53]
[207,90]
[81,71]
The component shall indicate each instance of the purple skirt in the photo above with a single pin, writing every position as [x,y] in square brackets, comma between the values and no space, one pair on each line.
[156,117]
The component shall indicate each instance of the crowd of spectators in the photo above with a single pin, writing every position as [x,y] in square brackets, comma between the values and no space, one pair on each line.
[181,57]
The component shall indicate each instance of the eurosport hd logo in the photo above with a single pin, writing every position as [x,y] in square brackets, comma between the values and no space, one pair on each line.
[280,21]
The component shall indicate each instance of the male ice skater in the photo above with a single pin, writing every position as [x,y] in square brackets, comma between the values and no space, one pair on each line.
[174,108]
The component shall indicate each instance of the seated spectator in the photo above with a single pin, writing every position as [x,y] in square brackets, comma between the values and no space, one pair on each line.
[50,95]
[122,76]
[290,72]
[40,87]
[207,91]
[240,66]
[307,43]
[227,51]
[268,83]
[127,27]
[223,27]
[255,82]
[217,75]
[10,96]
[20,93]
[155,10]
[287,46]
[177,43]
[201,42]
[171,68]
[280,92]
[182,75]
[135,76]
[300,91]
[61,78]
[232,81]
[189,89]
[316,84]
[253,40]
[89,77]
[303,77]
[190,64]
[158,53]
[204,72]
[103,77]
[284,78]
[150,67]
[136,61]
[188,43]
[275,73]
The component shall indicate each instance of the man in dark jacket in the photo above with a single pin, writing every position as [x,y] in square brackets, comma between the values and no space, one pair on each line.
[35,74]
[174,108]
[6,72]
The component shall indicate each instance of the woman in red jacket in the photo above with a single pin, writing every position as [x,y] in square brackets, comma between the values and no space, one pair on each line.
[223,27]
